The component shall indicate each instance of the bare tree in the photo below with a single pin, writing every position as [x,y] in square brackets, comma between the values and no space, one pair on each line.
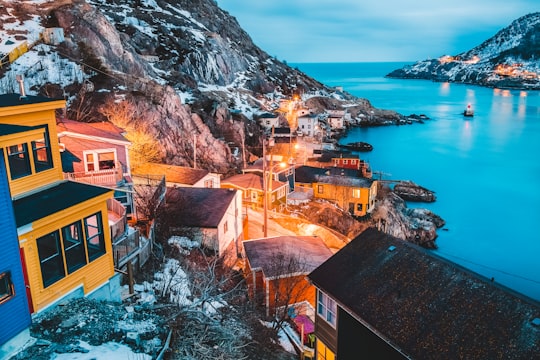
[286,272]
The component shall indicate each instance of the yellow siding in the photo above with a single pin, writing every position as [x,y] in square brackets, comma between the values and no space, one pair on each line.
[343,195]
[34,115]
[90,276]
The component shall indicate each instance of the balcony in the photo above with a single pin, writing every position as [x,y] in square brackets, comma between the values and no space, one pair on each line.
[108,177]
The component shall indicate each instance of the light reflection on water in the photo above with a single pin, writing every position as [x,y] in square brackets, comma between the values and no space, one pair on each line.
[484,169]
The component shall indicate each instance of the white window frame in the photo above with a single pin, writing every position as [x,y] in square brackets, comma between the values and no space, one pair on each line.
[95,154]
[326,308]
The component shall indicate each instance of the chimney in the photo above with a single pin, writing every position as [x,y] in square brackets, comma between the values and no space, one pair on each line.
[20,80]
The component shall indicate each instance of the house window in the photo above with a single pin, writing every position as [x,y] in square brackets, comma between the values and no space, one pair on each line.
[225,227]
[42,153]
[356,193]
[345,161]
[359,207]
[51,258]
[95,240]
[320,189]
[326,308]
[208,183]
[323,352]
[353,162]
[6,287]
[99,160]
[73,238]
[19,161]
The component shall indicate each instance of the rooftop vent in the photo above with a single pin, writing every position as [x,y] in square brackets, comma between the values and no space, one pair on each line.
[536,322]
[20,80]
[391,248]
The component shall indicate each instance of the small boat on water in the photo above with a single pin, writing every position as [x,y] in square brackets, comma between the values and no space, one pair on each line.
[468,111]
[358,146]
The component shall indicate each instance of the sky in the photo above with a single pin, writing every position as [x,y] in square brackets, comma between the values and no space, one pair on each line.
[300,31]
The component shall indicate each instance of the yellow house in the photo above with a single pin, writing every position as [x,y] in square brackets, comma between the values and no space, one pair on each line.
[356,195]
[62,226]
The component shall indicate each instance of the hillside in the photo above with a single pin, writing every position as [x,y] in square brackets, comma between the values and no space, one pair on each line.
[509,59]
[181,68]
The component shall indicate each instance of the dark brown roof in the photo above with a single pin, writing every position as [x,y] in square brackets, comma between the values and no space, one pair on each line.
[310,250]
[199,207]
[51,200]
[426,306]
[173,173]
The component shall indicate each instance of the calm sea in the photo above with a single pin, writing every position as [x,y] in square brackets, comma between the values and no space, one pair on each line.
[485,170]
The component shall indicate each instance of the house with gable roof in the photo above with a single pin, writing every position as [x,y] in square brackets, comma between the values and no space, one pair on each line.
[253,190]
[62,226]
[97,154]
[382,297]
[213,218]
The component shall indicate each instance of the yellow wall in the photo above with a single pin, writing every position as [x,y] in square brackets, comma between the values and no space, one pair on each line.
[35,115]
[343,195]
[90,276]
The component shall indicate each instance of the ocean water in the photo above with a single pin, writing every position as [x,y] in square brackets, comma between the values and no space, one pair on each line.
[485,170]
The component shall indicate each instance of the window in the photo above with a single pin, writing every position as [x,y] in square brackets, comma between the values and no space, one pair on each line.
[42,153]
[208,183]
[345,161]
[356,193]
[95,241]
[359,207]
[320,189]
[101,160]
[326,308]
[74,246]
[353,162]
[19,161]
[323,352]
[225,227]
[51,258]
[6,287]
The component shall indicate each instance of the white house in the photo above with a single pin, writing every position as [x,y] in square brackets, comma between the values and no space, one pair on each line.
[212,217]
[308,125]
[269,120]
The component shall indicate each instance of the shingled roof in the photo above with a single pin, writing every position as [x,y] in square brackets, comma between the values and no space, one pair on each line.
[427,306]
[199,207]
[173,173]
[311,250]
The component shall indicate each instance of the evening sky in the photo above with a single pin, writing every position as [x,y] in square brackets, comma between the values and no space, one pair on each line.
[383,30]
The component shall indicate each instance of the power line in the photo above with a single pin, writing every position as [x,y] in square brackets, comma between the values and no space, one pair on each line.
[488,267]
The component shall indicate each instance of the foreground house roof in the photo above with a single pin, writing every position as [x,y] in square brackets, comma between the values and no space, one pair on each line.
[311,250]
[53,199]
[425,305]
[199,207]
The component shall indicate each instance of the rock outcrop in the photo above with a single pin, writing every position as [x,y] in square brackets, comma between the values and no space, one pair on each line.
[409,191]
[418,226]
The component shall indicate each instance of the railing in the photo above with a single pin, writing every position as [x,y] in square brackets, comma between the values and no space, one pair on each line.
[125,246]
[117,218]
[99,177]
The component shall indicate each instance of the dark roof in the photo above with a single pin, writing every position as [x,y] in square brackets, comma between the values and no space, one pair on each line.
[309,174]
[199,207]
[61,196]
[344,180]
[7,129]
[311,251]
[16,100]
[426,305]
[282,130]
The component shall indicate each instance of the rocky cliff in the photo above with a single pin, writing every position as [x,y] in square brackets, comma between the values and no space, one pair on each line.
[509,59]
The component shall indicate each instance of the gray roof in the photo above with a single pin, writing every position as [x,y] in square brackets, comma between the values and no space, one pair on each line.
[311,251]
[426,305]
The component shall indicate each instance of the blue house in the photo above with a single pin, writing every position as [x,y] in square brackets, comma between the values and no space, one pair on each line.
[14,309]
